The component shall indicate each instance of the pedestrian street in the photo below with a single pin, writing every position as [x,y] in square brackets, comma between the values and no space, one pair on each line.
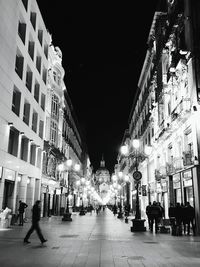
[93,240]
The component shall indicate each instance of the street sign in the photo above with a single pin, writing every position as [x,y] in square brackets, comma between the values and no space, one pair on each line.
[137,176]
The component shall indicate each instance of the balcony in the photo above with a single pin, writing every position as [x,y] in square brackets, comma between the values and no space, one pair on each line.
[182,109]
[188,158]
[178,163]
[170,168]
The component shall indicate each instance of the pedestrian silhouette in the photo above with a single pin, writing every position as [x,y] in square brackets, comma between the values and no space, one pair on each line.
[154,213]
[190,216]
[21,210]
[35,224]
[148,214]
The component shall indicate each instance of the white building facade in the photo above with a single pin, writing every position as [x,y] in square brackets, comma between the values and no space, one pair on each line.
[24,63]
[165,114]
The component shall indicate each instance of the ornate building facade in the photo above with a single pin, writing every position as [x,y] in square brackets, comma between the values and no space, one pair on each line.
[165,111]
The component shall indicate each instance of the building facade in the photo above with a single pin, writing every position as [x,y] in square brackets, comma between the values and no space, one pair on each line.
[38,127]
[24,64]
[165,111]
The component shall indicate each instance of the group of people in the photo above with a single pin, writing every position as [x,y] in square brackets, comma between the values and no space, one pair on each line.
[154,212]
[182,217]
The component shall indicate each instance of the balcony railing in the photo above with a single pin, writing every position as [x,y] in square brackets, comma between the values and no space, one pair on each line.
[188,158]
[178,163]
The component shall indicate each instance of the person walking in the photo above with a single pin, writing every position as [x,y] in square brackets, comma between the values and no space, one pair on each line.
[35,223]
[22,207]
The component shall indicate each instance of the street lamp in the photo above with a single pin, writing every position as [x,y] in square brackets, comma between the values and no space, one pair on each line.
[68,167]
[138,223]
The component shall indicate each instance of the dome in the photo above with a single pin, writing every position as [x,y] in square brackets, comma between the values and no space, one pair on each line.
[102,174]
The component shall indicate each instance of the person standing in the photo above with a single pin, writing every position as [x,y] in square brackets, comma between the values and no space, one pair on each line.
[190,215]
[148,214]
[154,213]
[22,207]
[35,223]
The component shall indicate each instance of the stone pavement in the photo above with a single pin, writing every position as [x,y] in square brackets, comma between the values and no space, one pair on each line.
[95,240]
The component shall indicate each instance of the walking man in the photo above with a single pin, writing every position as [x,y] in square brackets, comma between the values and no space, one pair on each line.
[21,210]
[35,224]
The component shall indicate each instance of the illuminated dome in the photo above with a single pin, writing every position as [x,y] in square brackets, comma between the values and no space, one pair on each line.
[102,174]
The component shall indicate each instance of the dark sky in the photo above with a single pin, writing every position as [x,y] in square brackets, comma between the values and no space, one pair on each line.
[103,52]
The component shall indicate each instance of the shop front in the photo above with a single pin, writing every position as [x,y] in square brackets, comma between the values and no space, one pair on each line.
[187,183]
[177,188]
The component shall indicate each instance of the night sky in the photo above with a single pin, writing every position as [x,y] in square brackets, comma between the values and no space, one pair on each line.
[103,52]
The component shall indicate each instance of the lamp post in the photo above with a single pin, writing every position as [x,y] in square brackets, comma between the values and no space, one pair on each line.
[69,168]
[138,223]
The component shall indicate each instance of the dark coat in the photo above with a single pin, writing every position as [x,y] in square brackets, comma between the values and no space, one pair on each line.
[36,213]
[22,207]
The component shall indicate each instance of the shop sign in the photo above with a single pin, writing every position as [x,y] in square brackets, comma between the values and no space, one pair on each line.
[152,188]
[187,183]
[158,188]
[144,190]
[187,174]
[176,185]
[58,191]
[176,177]
[164,186]
[9,174]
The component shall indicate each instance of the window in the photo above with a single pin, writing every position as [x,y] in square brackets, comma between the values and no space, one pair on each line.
[40,36]
[22,31]
[26,112]
[38,63]
[32,154]
[33,19]
[41,127]
[31,46]
[19,64]
[43,101]
[34,121]
[44,75]
[16,101]
[29,76]
[13,142]
[39,152]
[54,107]
[37,91]
[24,149]
[46,50]
[25,3]
[54,132]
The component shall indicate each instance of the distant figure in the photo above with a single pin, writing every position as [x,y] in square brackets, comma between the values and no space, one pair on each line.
[148,214]
[35,223]
[22,207]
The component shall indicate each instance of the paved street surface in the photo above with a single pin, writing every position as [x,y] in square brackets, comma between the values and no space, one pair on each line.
[95,240]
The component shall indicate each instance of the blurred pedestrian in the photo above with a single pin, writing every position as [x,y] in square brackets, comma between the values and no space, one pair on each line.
[154,213]
[21,209]
[172,212]
[178,217]
[148,214]
[35,223]
[190,215]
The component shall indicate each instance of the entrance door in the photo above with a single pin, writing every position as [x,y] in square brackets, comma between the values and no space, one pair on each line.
[8,193]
